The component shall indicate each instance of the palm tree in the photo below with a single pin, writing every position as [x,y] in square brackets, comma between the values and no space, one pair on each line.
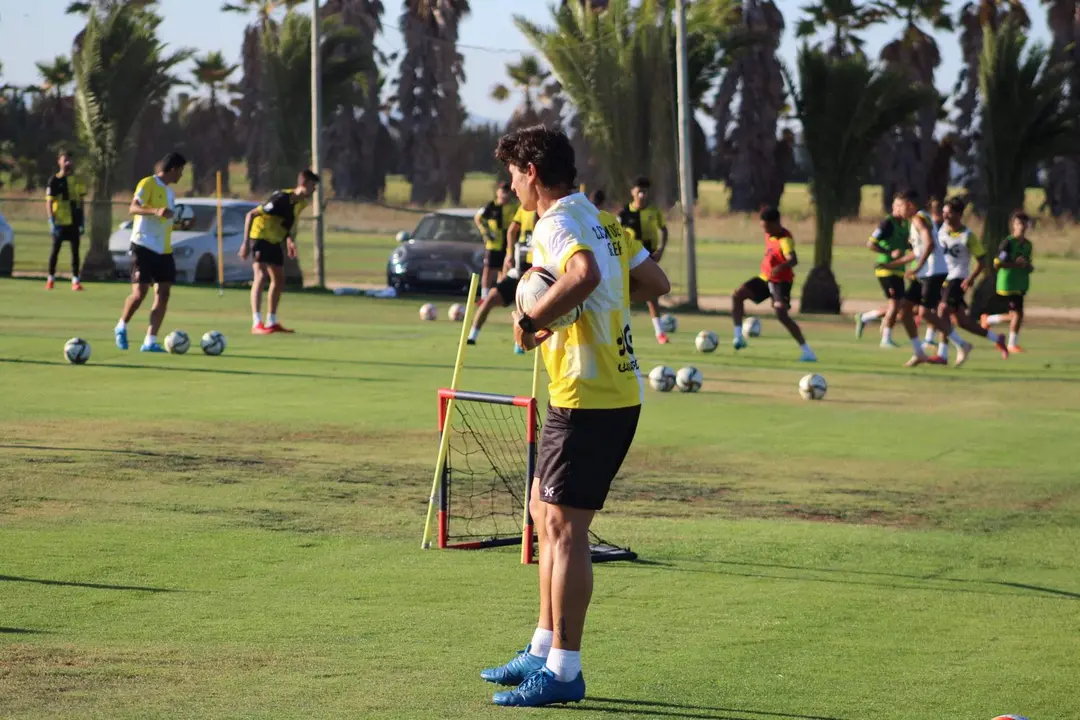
[120,69]
[211,125]
[57,75]
[845,106]
[432,117]
[840,20]
[908,152]
[528,76]
[1026,119]
[1063,180]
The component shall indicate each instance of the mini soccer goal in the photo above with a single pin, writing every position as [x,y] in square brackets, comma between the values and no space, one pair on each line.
[487,471]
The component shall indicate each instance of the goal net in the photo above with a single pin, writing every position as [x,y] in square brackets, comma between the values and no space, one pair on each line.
[487,474]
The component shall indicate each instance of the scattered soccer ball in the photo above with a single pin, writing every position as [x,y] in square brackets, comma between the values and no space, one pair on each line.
[706,341]
[428,312]
[213,343]
[689,379]
[668,323]
[812,387]
[456,312]
[532,286]
[662,378]
[76,351]
[177,342]
[751,326]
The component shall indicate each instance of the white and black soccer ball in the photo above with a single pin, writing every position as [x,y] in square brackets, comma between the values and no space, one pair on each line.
[689,379]
[532,286]
[428,312]
[669,323]
[706,341]
[76,351]
[751,326]
[177,342]
[213,343]
[812,387]
[662,378]
[456,313]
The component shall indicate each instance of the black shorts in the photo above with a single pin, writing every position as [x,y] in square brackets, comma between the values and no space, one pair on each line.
[954,294]
[494,258]
[1016,302]
[925,292]
[69,233]
[269,253]
[892,286]
[150,268]
[507,287]
[762,290]
[581,451]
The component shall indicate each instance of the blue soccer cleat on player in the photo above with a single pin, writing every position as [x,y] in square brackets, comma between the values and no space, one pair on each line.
[518,350]
[121,338]
[152,347]
[514,672]
[739,343]
[540,689]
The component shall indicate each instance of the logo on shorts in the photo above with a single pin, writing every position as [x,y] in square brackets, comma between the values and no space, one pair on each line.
[549,492]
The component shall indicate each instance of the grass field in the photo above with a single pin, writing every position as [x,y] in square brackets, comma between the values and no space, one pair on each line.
[194,537]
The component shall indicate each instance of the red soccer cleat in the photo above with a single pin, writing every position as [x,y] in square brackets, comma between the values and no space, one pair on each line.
[76,287]
[1016,349]
[49,284]
[258,329]
[1000,344]
[936,360]
[662,339]
[277,328]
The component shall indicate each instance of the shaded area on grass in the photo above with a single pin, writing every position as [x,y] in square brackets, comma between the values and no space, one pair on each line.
[93,586]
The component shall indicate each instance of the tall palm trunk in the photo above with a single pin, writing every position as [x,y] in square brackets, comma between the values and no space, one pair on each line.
[1063,181]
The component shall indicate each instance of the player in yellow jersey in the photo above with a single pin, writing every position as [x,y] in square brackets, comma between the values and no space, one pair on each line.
[64,205]
[493,221]
[595,395]
[645,223]
[266,229]
[152,263]
[518,260]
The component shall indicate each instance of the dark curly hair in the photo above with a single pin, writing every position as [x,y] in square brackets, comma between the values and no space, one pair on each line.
[549,150]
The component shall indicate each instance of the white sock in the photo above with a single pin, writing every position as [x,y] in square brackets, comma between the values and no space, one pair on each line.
[541,642]
[886,333]
[738,332]
[872,315]
[473,334]
[271,319]
[565,664]
[75,280]
[943,350]
[957,340]
[121,325]
[256,318]
[917,344]
[656,326]
[1014,339]
[150,339]
[929,337]
[51,278]
[995,319]
[992,336]
[483,293]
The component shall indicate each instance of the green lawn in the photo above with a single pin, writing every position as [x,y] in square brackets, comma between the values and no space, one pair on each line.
[193,537]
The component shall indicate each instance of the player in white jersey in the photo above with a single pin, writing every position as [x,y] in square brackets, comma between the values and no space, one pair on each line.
[937,218]
[960,244]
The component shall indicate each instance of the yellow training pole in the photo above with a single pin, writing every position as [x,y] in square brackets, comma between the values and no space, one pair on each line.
[444,440]
[220,242]
[526,544]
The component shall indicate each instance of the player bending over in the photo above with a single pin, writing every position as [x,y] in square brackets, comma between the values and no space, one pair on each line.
[1013,263]
[960,244]
[594,406]
[152,263]
[493,221]
[519,236]
[889,242]
[645,223]
[266,229]
[774,282]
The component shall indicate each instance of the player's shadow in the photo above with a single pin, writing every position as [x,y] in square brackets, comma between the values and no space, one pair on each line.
[21,631]
[215,371]
[929,582]
[92,586]
[650,708]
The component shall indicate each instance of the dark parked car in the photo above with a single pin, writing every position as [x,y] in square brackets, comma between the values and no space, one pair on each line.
[441,255]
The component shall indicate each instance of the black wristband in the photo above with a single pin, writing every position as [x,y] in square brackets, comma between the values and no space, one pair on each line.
[526,323]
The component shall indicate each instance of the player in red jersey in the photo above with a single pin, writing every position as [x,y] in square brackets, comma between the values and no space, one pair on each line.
[775,281]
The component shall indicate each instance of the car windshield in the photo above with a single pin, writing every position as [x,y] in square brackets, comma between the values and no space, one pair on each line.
[447,227]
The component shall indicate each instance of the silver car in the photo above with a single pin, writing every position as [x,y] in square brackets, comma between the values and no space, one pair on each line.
[194,241]
[441,254]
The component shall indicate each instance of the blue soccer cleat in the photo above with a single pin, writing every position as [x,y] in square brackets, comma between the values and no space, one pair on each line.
[121,338]
[739,343]
[540,689]
[518,350]
[152,347]
[514,672]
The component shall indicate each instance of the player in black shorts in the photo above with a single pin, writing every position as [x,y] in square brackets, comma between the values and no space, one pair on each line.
[517,261]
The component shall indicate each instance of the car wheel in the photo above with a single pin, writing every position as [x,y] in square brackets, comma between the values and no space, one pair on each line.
[206,270]
[7,260]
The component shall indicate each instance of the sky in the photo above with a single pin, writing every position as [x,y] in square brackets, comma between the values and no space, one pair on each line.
[35,30]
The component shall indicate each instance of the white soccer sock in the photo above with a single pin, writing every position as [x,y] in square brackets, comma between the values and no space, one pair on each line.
[656,326]
[929,337]
[872,315]
[51,278]
[483,293]
[74,279]
[271,319]
[1014,339]
[541,642]
[917,344]
[121,325]
[150,339]
[886,333]
[473,334]
[957,340]
[256,318]
[943,350]
[992,336]
[564,664]
[995,319]
[738,332]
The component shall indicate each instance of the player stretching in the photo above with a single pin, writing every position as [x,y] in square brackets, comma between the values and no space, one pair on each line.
[64,205]
[494,220]
[889,242]
[1014,266]
[595,399]
[960,244]
[775,281]
[269,226]
[519,236]
[645,223]
[152,263]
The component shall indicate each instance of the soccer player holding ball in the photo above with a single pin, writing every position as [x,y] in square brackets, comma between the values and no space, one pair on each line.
[774,282]
[517,261]
[595,399]
[266,229]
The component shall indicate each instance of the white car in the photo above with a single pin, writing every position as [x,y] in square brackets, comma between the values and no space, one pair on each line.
[194,242]
[7,248]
